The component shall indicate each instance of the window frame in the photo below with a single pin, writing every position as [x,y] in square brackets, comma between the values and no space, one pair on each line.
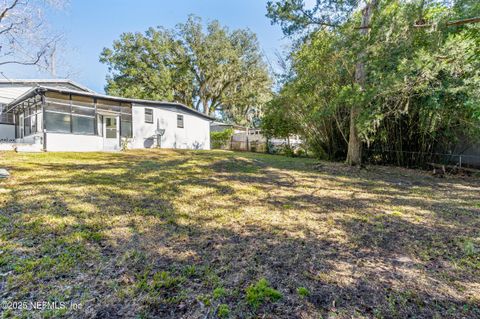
[180,119]
[145,115]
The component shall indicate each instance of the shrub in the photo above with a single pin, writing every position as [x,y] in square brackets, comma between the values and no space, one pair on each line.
[219,139]
[261,292]
[124,144]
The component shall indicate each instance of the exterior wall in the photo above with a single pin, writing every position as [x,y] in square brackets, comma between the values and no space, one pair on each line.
[195,133]
[7,133]
[36,138]
[31,143]
[58,142]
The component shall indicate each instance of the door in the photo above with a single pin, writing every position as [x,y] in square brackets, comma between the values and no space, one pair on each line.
[111,139]
[21,126]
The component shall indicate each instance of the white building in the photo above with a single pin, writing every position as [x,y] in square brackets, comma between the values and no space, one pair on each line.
[60,115]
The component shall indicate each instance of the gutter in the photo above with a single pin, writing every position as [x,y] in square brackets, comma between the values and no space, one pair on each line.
[32,92]
[43,89]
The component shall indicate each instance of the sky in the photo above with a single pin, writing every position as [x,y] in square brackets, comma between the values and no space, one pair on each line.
[91,25]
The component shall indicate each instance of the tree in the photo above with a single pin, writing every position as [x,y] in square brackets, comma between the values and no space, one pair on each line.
[316,98]
[326,13]
[24,36]
[376,55]
[212,70]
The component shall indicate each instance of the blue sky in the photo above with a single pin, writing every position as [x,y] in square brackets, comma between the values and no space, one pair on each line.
[90,25]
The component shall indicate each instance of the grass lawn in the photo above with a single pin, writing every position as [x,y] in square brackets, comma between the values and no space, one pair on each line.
[183,234]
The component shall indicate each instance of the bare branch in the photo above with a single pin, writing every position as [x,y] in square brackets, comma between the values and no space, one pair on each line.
[5,11]
[34,62]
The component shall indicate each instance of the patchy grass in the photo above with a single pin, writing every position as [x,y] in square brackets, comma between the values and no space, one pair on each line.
[303,292]
[183,234]
[261,292]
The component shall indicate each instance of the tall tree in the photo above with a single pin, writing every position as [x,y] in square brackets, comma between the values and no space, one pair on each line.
[211,69]
[293,16]
[401,20]
[25,38]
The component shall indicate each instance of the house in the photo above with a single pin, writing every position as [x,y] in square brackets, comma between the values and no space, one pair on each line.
[60,115]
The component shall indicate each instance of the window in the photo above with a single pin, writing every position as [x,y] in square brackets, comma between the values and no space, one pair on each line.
[148,116]
[83,125]
[30,113]
[27,126]
[125,129]
[110,127]
[126,125]
[57,122]
[33,124]
[63,107]
[76,110]
[180,121]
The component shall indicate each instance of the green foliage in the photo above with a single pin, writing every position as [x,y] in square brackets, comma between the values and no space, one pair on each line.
[223,311]
[261,292]
[190,271]
[277,120]
[469,248]
[303,292]
[219,292]
[422,92]
[165,280]
[219,139]
[210,69]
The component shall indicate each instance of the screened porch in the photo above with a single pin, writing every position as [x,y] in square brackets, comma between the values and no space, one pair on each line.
[71,113]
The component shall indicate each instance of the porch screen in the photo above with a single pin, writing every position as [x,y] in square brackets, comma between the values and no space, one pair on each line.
[126,122]
[30,113]
[70,113]
[83,115]
[58,113]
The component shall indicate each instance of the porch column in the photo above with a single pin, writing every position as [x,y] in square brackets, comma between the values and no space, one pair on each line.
[44,129]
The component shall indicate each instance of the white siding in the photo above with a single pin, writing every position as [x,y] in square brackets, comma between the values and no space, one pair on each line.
[7,133]
[58,142]
[195,133]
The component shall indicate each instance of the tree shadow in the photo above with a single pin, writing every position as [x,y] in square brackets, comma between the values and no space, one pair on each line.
[134,216]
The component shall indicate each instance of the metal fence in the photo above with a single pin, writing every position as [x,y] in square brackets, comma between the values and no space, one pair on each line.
[421,159]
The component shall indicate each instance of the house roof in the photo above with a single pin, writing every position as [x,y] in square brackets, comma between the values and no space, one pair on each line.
[39,89]
[217,123]
[11,89]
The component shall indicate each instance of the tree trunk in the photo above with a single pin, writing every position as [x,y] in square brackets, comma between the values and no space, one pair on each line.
[354,155]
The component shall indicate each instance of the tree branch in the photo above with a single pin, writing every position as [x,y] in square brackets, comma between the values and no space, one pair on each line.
[34,62]
[5,11]
[451,23]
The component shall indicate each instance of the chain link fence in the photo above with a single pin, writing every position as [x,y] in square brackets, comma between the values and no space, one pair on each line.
[421,159]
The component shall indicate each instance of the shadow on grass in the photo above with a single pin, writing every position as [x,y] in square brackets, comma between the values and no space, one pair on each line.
[154,233]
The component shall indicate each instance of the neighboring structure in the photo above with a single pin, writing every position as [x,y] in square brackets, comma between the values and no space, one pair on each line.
[220,127]
[61,115]
[251,139]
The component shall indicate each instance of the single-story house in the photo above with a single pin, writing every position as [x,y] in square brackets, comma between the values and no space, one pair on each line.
[60,115]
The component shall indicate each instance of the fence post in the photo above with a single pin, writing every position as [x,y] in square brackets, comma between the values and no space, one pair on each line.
[460,161]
